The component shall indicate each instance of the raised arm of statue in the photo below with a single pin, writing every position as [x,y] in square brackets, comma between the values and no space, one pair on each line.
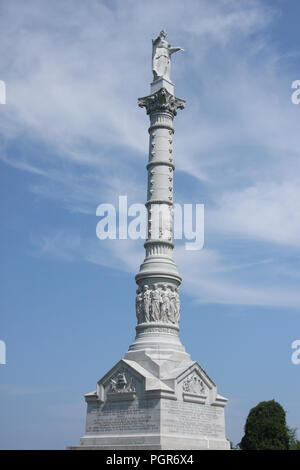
[175,49]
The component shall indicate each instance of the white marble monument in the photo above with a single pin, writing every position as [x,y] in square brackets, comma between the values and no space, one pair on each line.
[157,397]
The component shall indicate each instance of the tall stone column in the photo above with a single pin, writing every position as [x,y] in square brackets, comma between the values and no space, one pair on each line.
[157,300]
[157,397]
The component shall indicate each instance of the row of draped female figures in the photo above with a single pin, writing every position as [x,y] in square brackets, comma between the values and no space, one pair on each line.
[157,303]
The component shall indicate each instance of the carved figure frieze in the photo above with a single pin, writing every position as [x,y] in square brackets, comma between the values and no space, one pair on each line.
[158,303]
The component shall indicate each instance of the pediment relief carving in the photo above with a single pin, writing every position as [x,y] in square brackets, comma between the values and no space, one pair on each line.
[193,384]
[121,383]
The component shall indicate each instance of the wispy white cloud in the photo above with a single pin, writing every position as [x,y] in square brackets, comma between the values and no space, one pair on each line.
[211,277]
[116,254]
[268,211]
[73,76]
[76,75]
[208,275]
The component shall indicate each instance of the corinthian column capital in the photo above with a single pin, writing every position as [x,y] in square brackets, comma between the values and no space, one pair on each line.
[161,101]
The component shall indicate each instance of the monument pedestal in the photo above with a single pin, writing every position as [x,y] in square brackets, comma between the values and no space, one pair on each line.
[155,398]
[159,83]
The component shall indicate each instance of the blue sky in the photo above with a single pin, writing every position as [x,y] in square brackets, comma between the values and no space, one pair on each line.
[72,137]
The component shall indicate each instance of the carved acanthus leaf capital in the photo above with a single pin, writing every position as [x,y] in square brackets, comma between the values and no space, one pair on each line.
[162,101]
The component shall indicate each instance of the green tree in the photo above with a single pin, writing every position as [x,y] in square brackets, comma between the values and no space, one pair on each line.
[266,428]
[294,444]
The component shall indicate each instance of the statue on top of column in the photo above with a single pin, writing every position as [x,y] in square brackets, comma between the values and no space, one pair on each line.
[161,56]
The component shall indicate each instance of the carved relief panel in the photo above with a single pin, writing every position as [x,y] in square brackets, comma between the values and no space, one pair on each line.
[193,384]
[158,303]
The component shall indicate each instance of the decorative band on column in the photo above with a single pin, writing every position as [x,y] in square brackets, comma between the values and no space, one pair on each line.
[156,328]
[160,162]
[160,126]
[158,201]
[162,243]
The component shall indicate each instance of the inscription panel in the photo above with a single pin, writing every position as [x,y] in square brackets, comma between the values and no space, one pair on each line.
[122,419]
[192,418]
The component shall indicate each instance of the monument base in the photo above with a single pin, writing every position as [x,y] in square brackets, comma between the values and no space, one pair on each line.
[155,442]
[155,398]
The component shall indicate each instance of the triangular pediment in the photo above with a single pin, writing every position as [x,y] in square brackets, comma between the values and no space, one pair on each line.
[194,385]
[127,380]
[195,370]
[121,382]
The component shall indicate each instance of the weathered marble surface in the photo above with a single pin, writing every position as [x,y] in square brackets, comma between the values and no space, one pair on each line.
[161,56]
[179,411]
[157,397]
